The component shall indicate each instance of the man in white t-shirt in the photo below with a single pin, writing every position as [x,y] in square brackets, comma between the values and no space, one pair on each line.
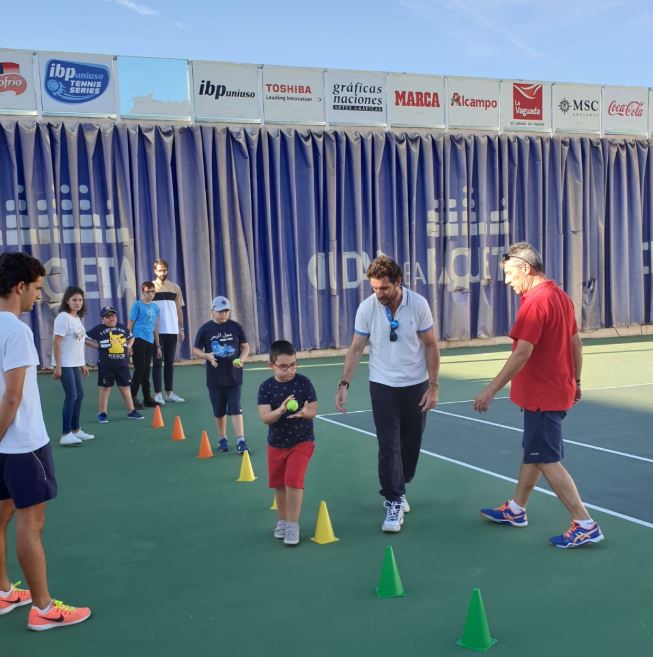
[27,479]
[404,368]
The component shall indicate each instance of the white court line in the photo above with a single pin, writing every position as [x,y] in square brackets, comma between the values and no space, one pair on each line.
[469,466]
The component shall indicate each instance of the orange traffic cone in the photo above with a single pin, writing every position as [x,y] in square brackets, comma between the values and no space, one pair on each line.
[205,447]
[157,419]
[178,430]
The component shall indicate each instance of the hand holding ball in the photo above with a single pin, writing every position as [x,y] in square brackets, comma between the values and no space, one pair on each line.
[237,362]
[292,405]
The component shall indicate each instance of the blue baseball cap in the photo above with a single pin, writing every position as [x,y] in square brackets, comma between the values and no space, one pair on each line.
[107,310]
[221,303]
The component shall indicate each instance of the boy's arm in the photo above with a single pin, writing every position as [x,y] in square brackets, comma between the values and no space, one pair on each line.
[11,398]
[269,416]
[244,351]
[94,344]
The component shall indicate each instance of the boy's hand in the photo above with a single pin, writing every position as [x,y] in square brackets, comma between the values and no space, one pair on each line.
[299,413]
[84,370]
[210,358]
[236,362]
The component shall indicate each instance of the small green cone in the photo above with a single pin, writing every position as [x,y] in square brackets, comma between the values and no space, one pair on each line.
[390,585]
[476,635]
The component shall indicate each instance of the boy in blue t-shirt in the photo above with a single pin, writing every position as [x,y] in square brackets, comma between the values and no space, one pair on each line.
[143,324]
[221,342]
[113,341]
[290,435]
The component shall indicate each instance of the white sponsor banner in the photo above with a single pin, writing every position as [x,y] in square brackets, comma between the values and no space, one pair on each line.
[77,84]
[416,100]
[625,110]
[577,108]
[473,103]
[153,88]
[293,95]
[17,90]
[355,97]
[226,92]
[526,106]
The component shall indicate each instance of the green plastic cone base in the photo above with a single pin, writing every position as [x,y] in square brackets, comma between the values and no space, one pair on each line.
[476,635]
[390,585]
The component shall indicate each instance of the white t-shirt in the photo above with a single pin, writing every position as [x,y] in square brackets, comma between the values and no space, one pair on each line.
[27,432]
[401,363]
[72,345]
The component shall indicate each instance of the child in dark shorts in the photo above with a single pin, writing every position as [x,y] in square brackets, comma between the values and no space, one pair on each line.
[113,342]
[290,435]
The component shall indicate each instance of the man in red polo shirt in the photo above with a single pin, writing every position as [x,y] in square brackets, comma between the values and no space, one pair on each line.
[544,367]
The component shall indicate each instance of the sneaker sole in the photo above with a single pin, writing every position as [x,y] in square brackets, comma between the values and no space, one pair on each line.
[14,605]
[598,539]
[71,444]
[506,522]
[135,418]
[52,626]
[103,421]
[289,544]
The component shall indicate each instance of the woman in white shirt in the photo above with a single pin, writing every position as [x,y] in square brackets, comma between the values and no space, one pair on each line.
[69,362]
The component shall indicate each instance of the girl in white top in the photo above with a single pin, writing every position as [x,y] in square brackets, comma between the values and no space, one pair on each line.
[69,362]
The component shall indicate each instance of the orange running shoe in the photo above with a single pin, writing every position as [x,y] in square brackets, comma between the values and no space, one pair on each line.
[59,615]
[16,598]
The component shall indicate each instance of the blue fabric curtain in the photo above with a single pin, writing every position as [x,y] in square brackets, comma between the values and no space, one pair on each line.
[285,221]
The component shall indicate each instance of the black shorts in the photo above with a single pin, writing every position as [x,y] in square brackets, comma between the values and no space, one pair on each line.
[107,376]
[28,479]
[542,441]
[225,401]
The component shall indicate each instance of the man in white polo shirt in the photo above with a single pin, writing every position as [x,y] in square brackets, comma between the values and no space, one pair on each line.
[404,368]
[26,468]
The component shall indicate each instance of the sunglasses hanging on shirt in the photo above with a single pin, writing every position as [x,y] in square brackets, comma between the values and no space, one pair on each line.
[394,324]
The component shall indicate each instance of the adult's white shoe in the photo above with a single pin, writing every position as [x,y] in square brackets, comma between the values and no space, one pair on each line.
[82,435]
[158,398]
[70,439]
[405,507]
[172,397]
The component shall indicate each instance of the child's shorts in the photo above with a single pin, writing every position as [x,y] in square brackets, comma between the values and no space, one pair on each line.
[225,401]
[287,466]
[107,376]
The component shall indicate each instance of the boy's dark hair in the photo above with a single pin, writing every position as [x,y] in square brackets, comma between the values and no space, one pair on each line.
[281,348]
[384,266]
[18,267]
[147,285]
[70,292]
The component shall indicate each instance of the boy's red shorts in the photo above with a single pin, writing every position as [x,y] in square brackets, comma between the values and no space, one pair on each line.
[287,466]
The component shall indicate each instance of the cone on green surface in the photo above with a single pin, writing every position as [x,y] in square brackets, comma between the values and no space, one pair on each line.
[274,504]
[476,635]
[390,585]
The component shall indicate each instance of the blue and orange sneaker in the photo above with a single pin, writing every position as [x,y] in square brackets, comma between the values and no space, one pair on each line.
[504,516]
[15,598]
[576,536]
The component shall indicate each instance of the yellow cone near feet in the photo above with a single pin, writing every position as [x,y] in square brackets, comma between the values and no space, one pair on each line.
[323,529]
[246,471]
[274,504]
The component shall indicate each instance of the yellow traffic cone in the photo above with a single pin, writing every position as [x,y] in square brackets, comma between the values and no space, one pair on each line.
[323,529]
[246,471]
[274,504]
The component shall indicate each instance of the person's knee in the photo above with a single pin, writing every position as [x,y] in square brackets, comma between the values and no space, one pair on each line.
[7,510]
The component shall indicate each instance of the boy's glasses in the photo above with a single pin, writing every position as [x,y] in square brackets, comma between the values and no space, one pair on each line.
[285,368]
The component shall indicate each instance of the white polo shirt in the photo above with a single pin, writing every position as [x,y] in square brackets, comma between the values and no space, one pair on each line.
[401,363]
[27,432]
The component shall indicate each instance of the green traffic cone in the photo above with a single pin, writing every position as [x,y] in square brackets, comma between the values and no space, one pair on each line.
[476,634]
[390,585]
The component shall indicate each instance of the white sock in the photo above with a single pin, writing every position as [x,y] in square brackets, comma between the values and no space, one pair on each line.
[292,524]
[11,588]
[515,508]
[45,610]
[585,524]
[241,439]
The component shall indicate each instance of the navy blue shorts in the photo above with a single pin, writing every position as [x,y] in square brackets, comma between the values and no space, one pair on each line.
[542,440]
[225,401]
[107,376]
[28,479]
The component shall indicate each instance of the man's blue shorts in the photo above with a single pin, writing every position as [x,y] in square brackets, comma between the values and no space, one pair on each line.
[225,401]
[28,479]
[542,440]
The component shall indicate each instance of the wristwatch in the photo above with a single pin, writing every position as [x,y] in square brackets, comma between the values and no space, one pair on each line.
[343,383]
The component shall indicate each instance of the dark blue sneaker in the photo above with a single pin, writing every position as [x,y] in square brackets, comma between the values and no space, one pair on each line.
[576,536]
[135,415]
[223,445]
[102,418]
[504,516]
[242,446]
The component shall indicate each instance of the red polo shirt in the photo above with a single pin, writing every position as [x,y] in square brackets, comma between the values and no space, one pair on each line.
[547,320]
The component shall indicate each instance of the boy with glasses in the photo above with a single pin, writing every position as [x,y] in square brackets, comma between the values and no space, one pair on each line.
[290,435]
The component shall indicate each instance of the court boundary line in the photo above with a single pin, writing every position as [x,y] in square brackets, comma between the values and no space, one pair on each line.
[595,507]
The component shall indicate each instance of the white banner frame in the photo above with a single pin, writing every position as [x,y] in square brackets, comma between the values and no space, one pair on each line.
[355,97]
[523,95]
[619,101]
[293,95]
[576,108]
[473,103]
[18,73]
[416,100]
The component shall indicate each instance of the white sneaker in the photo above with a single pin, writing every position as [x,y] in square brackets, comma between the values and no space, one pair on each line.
[394,517]
[70,439]
[159,399]
[82,435]
[280,529]
[291,536]
[405,507]
[172,397]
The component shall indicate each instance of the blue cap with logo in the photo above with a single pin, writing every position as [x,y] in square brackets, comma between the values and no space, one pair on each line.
[221,303]
[107,310]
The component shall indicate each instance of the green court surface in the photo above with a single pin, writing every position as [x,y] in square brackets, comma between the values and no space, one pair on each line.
[175,557]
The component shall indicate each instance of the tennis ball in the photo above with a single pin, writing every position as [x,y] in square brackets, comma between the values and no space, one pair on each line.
[292,405]
[236,362]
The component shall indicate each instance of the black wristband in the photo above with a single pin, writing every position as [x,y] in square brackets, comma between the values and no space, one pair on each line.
[344,383]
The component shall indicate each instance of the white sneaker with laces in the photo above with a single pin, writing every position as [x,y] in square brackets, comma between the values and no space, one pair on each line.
[394,517]
[292,533]
[172,397]
[405,507]
[159,398]
[70,439]
[82,435]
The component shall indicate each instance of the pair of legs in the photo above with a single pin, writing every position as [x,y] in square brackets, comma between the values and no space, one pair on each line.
[287,470]
[103,398]
[236,425]
[168,343]
[71,381]
[399,426]
[106,379]
[142,353]
[225,400]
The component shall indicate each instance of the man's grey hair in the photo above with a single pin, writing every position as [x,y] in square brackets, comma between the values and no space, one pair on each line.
[526,252]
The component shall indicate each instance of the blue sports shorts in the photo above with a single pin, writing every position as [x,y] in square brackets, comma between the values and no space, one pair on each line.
[542,441]
[28,479]
[225,401]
